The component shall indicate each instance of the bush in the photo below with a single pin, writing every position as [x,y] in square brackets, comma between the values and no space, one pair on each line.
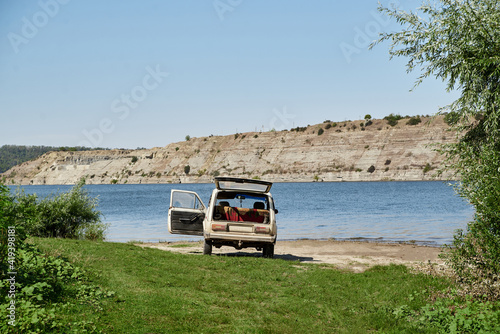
[371,169]
[11,235]
[427,168]
[454,316]
[414,120]
[392,119]
[134,159]
[187,168]
[47,290]
[320,131]
[451,118]
[65,215]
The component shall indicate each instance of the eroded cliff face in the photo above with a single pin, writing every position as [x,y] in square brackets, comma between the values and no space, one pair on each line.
[345,152]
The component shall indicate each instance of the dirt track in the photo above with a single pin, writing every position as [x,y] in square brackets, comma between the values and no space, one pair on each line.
[354,256]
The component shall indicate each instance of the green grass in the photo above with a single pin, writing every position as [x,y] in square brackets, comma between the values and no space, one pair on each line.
[163,292]
[183,245]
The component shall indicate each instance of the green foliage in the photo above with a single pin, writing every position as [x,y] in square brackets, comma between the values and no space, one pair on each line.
[414,120]
[188,138]
[64,215]
[9,237]
[48,296]
[134,159]
[452,118]
[320,131]
[299,129]
[371,169]
[187,168]
[459,42]
[393,119]
[12,155]
[427,168]
[453,315]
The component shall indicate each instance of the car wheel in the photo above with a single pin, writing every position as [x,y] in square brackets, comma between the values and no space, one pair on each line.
[268,251]
[207,248]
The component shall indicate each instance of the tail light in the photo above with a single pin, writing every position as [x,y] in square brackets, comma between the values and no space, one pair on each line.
[219,227]
[261,229]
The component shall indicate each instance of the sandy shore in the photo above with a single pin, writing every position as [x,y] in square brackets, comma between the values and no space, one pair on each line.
[350,255]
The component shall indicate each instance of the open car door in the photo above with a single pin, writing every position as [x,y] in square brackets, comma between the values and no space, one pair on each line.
[186,213]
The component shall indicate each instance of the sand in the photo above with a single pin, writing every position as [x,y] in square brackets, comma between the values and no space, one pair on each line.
[349,255]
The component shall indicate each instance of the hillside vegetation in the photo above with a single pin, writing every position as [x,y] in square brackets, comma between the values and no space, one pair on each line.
[12,155]
[394,148]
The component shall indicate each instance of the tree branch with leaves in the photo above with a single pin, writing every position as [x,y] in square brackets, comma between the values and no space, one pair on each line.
[458,42]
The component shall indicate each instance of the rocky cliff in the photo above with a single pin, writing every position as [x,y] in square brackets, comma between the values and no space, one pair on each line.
[343,151]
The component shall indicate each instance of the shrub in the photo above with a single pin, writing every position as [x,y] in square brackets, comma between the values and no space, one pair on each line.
[451,118]
[187,168]
[329,125]
[65,215]
[134,159]
[414,120]
[393,119]
[47,287]
[320,131]
[371,169]
[427,168]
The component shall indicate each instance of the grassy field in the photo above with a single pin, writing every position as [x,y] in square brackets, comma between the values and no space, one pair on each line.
[162,292]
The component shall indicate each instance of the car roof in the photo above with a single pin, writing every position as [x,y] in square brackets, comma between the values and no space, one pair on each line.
[236,183]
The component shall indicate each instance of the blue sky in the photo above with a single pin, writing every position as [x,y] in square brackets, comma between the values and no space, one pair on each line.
[147,73]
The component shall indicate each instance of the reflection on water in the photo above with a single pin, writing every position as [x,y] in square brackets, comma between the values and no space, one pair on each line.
[425,212]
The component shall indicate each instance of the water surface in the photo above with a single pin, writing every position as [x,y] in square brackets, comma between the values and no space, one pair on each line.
[426,212]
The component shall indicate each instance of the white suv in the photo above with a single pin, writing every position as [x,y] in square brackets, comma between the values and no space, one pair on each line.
[240,214]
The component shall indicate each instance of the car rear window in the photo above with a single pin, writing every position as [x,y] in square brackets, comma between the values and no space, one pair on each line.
[243,200]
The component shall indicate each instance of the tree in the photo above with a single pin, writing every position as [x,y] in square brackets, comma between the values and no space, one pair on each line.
[458,41]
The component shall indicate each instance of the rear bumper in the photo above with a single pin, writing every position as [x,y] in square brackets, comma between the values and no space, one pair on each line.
[240,240]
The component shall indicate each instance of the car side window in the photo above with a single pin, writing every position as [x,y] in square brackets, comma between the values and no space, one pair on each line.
[186,201]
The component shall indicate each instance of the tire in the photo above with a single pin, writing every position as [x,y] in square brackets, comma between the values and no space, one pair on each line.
[268,251]
[207,248]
